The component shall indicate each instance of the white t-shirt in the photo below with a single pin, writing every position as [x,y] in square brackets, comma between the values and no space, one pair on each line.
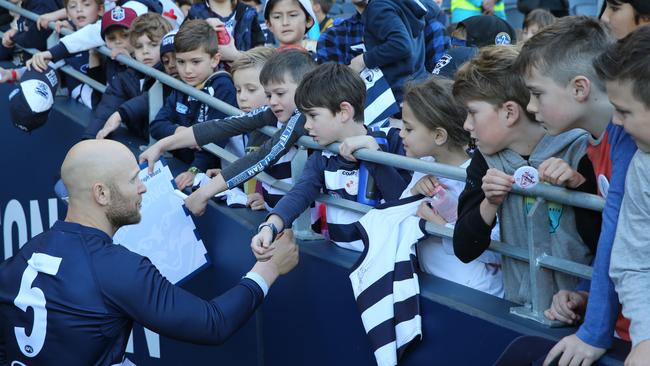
[436,255]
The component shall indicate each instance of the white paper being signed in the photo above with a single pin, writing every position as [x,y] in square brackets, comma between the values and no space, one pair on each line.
[167,234]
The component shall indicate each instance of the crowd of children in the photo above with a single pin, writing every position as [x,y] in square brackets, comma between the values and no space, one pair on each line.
[571,101]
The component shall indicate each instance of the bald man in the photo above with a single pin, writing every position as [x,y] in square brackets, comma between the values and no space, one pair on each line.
[70,295]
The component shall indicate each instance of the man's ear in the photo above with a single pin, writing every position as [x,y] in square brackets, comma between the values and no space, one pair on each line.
[580,88]
[513,111]
[347,111]
[101,194]
[440,136]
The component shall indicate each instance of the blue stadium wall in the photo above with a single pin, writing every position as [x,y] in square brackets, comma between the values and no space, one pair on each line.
[309,317]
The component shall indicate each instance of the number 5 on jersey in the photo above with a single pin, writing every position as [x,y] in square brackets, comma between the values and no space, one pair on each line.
[33,297]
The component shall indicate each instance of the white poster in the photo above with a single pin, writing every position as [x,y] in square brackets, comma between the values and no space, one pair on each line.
[167,234]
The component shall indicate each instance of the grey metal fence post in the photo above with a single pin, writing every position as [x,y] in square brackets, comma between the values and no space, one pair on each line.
[541,279]
[155,99]
[302,225]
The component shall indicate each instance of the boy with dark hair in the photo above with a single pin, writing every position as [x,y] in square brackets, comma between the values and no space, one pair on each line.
[625,69]
[508,138]
[119,103]
[567,93]
[280,77]
[168,54]
[332,99]
[197,58]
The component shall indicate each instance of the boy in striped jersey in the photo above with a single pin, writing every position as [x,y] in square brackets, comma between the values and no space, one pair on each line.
[332,97]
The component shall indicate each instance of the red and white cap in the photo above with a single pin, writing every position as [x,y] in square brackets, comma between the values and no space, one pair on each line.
[118,17]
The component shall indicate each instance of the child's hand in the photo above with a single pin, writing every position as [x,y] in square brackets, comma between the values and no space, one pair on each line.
[229,52]
[255,201]
[567,306]
[557,171]
[62,24]
[44,20]
[119,51]
[496,186]
[112,123]
[261,244]
[425,186]
[93,58]
[39,61]
[151,156]
[216,24]
[352,144]
[185,179]
[357,64]
[211,173]
[425,211]
[7,36]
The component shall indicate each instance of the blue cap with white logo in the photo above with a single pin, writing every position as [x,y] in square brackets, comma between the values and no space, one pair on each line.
[30,103]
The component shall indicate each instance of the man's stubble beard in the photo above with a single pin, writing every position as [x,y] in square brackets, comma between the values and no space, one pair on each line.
[119,213]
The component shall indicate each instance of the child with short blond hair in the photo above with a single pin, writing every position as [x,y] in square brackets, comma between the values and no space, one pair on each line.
[508,138]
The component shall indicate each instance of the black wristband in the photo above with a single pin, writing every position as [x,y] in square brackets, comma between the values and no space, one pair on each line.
[274,229]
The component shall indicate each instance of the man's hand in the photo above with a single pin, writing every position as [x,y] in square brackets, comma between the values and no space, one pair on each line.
[39,61]
[557,171]
[197,202]
[352,144]
[568,306]
[151,156]
[255,201]
[357,64]
[496,186]
[286,253]
[571,350]
[185,179]
[640,354]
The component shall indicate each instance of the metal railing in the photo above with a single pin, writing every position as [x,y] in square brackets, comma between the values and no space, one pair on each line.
[541,264]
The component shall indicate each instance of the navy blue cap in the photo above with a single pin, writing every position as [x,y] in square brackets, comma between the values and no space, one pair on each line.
[486,30]
[452,60]
[167,42]
[31,102]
